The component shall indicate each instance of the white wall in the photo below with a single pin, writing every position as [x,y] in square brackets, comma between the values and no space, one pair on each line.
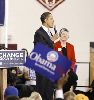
[76,15]
[2,34]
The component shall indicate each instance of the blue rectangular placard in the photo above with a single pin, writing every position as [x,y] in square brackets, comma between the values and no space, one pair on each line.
[12,58]
[47,62]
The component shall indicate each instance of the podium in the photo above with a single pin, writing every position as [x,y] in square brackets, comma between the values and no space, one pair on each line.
[3,72]
[3,82]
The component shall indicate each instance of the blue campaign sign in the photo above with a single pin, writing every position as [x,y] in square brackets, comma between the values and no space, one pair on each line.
[47,62]
[12,58]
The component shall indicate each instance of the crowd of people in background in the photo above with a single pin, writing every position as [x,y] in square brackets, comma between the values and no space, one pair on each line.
[17,90]
[26,84]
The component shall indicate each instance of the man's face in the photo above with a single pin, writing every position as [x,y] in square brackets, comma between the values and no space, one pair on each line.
[49,21]
[64,36]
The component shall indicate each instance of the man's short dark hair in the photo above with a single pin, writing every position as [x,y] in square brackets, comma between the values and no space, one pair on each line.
[44,16]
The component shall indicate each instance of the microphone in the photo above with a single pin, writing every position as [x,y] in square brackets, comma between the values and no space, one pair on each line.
[55,29]
[51,33]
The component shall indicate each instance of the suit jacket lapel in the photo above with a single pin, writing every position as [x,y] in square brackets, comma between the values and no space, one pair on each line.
[45,34]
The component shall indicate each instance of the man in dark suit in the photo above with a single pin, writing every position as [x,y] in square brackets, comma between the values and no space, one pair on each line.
[44,86]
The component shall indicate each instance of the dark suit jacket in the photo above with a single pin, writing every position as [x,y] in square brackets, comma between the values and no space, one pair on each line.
[44,86]
[59,99]
[42,37]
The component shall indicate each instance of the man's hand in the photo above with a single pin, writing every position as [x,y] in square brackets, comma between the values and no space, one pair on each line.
[54,37]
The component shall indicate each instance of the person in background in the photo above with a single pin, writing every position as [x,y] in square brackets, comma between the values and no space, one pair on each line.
[64,47]
[89,93]
[24,90]
[11,76]
[10,91]
[30,75]
[67,49]
[69,95]
[81,97]
[33,96]
[12,98]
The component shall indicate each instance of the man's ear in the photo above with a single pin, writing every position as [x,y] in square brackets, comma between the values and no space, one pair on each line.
[45,20]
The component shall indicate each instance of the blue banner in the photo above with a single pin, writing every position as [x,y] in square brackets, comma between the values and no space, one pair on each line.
[12,58]
[2,12]
[47,62]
